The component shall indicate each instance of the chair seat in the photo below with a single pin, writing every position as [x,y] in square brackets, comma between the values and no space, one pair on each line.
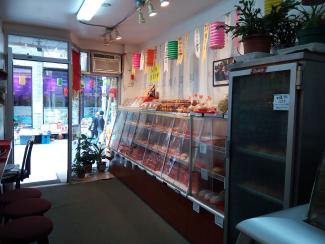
[26,230]
[19,194]
[26,207]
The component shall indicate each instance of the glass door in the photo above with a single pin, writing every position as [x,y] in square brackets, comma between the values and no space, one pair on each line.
[260,143]
[40,112]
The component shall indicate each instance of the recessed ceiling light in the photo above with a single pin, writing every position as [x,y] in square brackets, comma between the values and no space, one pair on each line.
[151,10]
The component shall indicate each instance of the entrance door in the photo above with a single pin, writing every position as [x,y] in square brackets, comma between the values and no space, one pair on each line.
[40,107]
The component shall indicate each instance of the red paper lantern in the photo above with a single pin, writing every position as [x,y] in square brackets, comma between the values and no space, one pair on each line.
[217,35]
[65,91]
[91,83]
[136,60]
[150,60]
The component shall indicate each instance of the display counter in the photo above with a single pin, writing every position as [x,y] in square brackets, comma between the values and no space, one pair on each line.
[185,152]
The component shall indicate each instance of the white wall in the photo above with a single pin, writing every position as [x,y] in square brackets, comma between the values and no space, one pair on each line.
[192,75]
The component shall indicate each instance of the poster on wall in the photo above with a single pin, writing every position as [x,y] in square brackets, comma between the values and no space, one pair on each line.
[221,72]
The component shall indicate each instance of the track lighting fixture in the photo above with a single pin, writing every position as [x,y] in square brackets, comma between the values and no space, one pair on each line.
[141,19]
[151,10]
[117,35]
[164,3]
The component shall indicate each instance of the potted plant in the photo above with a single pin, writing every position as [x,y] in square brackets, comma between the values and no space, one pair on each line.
[99,155]
[79,169]
[84,153]
[251,27]
[282,25]
[313,23]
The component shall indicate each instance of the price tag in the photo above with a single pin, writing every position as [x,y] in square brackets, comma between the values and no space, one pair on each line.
[196,207]
[204,174]
[203,148]
[218,220]
[281,101]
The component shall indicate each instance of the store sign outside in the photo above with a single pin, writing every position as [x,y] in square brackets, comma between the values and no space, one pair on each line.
[154,74]
[281,102]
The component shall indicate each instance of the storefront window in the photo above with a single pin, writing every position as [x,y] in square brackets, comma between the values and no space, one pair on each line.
[55,96]
[22,91]
[38,47]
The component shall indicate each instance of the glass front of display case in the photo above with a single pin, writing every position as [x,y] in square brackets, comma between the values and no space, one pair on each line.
[117,130]
[259,125]
[158,143]
[208,170]
[128,133]
[141,137]
[177,161]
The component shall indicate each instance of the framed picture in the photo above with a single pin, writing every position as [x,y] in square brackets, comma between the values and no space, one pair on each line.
[220,72]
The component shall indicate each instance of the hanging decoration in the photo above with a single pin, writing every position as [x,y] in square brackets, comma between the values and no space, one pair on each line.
[186,35]
[205,42]
[91,83]
[22,80]
[82,84]
[268,5]
[150,59]
[180,50]
[75,70]
[217,36]
[172,50]
[100,82]
[59,81]
[166,57]
[154,74]
[136,60]
[197,43]
[142,60]
[65,91]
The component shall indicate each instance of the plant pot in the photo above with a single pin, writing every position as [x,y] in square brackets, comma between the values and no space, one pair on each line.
[311,35]
[81,175]
[101,167]
[88,168]
[257,43]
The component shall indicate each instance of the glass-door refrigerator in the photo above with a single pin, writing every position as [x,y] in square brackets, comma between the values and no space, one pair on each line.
[273,135]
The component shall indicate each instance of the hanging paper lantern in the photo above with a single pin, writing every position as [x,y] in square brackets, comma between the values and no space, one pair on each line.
[91,83]
[136,60]
[217,36]
[100,82]
[150,57]
[22,80]
[59,81]
[269,3]
[65,91]
[172,50]
[82,84]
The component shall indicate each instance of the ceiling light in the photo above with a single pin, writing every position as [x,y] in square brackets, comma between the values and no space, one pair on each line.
[88,9]
[107,39]
[164,3]
[151,10]
[117,35]
[141,19]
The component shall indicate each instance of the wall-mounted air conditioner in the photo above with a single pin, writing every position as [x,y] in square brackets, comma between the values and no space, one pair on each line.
[105,63]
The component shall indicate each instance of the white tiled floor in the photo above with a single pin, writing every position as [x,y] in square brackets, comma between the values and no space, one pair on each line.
[48,161]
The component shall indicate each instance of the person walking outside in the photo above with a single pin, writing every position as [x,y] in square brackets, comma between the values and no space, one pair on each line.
[100,127]
[94,126]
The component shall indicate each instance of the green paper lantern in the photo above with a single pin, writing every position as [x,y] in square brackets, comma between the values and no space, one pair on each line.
[172,50]
[59,81]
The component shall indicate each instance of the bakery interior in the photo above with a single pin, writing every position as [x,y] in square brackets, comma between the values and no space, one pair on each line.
[154,121]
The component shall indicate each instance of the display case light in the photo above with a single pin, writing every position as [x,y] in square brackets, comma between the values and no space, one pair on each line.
[88,9]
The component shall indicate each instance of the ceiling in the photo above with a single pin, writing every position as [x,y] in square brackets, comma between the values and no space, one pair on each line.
[62,14]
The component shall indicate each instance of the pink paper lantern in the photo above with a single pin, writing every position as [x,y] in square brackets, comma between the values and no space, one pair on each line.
[217,36]
[136,60]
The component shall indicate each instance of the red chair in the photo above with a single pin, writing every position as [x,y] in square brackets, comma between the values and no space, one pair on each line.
[19,194]
[26,230]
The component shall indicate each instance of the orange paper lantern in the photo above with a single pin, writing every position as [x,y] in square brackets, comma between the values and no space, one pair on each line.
[150,59]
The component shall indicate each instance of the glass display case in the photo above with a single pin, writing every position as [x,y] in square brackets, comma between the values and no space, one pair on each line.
[208,166]
[185,151]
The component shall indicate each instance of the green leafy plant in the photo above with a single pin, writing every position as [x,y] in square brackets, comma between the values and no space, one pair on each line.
[78,168]
[84,151]
[250,22]
[313,16]
[282,25]
[98,153]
